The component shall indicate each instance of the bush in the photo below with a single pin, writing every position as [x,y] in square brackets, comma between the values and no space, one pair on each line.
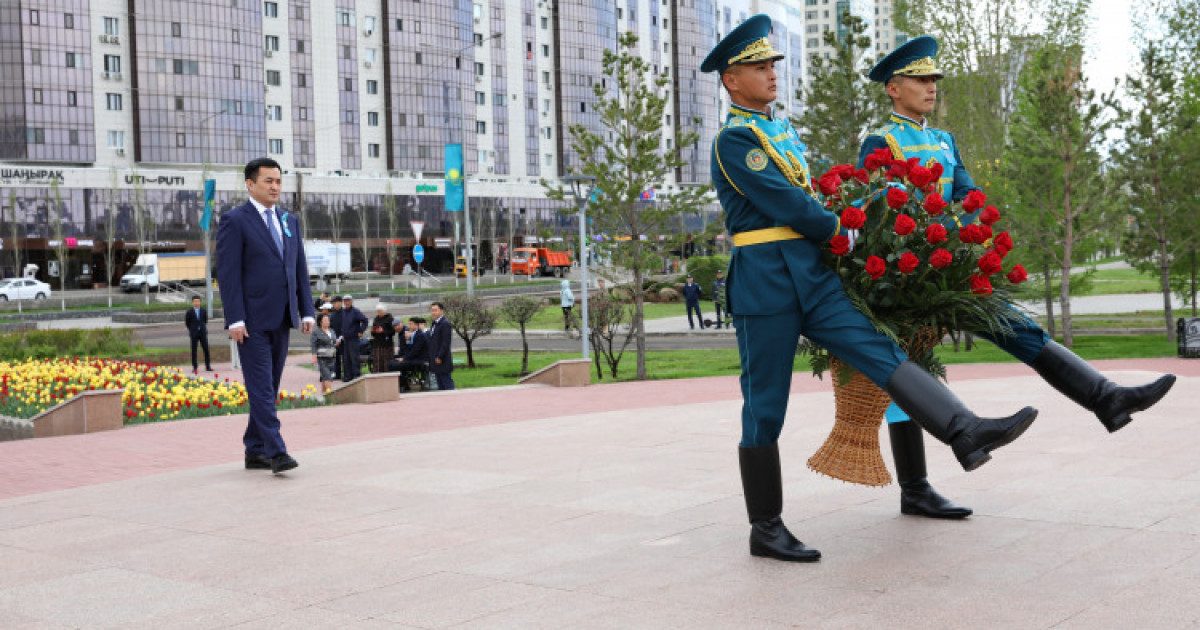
[48,344]
[704,270]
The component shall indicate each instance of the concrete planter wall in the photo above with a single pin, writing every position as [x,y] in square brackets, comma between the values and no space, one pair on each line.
[89,412]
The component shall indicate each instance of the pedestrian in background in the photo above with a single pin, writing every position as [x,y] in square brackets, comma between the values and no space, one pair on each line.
[566,299]
[335,323]
[718,298]
[324,344]
[382,340]
[196,320]
[691,298]
[354,324]
[441,362]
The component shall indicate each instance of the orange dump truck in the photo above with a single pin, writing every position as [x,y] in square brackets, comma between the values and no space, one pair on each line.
[530,261]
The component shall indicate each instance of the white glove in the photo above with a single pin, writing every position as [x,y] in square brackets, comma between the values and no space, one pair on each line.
[853,236]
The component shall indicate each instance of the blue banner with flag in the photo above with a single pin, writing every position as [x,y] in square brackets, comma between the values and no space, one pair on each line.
[454,178]
[210,198]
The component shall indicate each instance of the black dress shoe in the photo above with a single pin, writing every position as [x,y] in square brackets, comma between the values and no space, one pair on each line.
[918,498]
[258,462]
[771,539]
[283,462]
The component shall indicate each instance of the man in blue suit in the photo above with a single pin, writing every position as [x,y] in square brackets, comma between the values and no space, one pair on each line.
[264,287]
[778,289]
[441,362]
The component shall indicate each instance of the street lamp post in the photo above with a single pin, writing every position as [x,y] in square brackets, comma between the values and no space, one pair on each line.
[581,189]
[208,289]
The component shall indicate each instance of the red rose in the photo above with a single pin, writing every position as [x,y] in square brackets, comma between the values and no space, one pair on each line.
[853,218]
[896,197]
[989,215]
[862,176]
[974,201]
[1003,244]
[898,170]
[940,259]
[934,204]
[1017,275]
[935,233]
[813,182]
[980,285]
[985,233]
[905,225]
[844,171]
[908,262]
[971,234]
[990,263]
[920,176]
[937,170]
[839,245]
[913,162]
[875,267]
[877,159]
[828,184]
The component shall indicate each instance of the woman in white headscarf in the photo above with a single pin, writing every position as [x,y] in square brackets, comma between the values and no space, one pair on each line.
[567,301]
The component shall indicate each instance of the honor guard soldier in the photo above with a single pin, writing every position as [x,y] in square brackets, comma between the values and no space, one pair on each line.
[778,289]
[910,75]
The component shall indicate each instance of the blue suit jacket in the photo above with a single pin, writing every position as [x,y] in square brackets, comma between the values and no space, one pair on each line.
[256,283]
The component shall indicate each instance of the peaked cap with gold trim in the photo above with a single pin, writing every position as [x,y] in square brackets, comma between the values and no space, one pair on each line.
[913,58]
[748,43]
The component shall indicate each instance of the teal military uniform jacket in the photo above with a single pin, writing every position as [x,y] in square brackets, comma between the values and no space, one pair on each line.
[906,138]
[762,181]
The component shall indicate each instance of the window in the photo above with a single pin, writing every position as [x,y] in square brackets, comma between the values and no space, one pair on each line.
[112,26]
[373,150]
[480,127]
[116,139]
[372,86]
[271,43]
[113,101]
[179,103]
[181,140]
[272,77]
[480,98]
[73,134]
[185,66]
[37,96]
[35,56]
[420,120]
[417,59]
[369,24]
[301,80]
[73,60]
[399,25]
[346,52]
[69,22]
[372,119]
[348,85]
[300,46]
[271,9]
[176,29]
[302,113]
[478,69]
[275,146]
[416,26]
[545,50]
[35,18]
[546,23]
[370,55]
[35,135]
[402,121]
[498,99]
[479,39]
[72,98]
[422,151]
[274,112]
[345,17]
[237,71]
[236,36]
[112,63]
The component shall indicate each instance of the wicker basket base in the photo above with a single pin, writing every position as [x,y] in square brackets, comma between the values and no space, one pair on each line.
[851,452]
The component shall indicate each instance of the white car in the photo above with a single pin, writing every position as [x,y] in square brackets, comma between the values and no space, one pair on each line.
[23,289]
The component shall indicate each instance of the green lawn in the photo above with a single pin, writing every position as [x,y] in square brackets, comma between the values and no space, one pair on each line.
[1105,282]
[550,318]
[1089,347]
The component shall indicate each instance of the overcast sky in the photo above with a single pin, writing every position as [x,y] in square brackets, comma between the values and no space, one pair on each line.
[1111,52]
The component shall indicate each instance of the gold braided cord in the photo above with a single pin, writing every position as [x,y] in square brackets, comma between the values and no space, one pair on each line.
[758,50]
[921,67]
[802,170]
[897,153]
[796,177]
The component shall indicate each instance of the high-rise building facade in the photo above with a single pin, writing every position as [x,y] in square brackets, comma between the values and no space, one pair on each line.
[125,106]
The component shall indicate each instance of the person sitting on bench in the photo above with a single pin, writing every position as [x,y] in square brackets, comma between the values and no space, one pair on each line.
[413,355]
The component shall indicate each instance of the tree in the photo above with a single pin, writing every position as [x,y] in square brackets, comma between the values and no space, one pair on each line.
[607,320]
[56,219]
[1160,155]
[628,157]
[389,207]
[335,232]
[470,318]
[1054,162]
[364,223]
[519,310]
[840,103]
[14,230]
[110,231]
[142,224]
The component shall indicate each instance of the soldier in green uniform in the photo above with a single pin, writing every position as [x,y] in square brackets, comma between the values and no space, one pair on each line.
[778,288]
[910,75]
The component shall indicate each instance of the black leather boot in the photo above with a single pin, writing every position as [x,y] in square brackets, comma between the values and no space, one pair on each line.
[933,406]
[1080,382]
[917,497]
[762,483]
